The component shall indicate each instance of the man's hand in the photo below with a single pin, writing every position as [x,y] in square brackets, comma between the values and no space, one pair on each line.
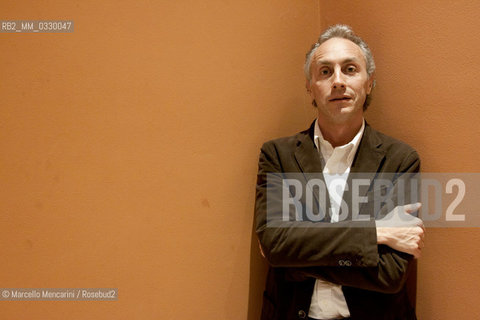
[402,231]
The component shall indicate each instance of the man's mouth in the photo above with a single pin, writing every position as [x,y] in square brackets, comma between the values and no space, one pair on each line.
[340,99]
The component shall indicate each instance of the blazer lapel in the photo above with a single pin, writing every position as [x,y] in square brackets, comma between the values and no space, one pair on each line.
[309,162]
[369,155]
[368,161]
[306,153]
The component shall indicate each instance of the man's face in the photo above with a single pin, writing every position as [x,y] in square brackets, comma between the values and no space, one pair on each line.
[339,81]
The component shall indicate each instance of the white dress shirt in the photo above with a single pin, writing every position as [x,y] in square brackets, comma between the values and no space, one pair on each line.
[328,301]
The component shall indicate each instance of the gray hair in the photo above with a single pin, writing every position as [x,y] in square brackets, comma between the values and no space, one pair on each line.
[345,32]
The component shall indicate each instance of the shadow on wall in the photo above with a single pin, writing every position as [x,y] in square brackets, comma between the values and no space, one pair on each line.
[258,274]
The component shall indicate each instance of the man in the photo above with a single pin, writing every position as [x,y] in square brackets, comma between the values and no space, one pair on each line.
[339,266]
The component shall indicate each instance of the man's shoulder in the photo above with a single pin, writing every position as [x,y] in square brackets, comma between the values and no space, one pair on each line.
[290,142]
[393,148]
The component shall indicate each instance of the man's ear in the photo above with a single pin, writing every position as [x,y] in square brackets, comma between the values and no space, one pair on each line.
[370,83]
[307,85]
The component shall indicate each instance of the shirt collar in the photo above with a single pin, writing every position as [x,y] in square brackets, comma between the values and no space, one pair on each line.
[326,148]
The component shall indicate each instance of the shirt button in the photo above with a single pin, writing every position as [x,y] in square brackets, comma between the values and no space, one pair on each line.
[302,314]
[341,263]
[348,263]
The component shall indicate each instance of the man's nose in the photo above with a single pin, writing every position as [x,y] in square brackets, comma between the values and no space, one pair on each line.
[338,80]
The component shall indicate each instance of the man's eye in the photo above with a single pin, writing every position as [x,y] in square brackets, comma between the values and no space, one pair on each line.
[351,69]
[324,71]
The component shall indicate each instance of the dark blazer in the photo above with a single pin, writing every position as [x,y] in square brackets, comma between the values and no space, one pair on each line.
[378,282]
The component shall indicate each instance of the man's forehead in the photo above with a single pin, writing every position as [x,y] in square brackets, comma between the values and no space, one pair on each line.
[338,49]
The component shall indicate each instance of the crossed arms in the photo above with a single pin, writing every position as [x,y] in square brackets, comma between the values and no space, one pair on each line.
[371,255]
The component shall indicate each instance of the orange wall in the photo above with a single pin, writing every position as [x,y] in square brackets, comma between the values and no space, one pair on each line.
[427,77]
[129,151]
[129,147]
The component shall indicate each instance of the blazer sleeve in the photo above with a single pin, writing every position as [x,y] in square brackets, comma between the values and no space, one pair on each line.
[305,243]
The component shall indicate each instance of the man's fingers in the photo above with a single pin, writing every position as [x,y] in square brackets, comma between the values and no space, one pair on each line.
[417,254]
[413,207]
[422,234]
[420,245]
